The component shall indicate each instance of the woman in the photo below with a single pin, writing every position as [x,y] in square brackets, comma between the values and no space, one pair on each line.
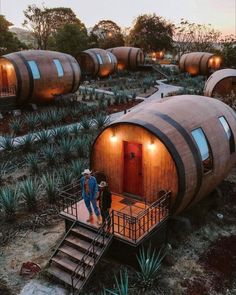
[104,198]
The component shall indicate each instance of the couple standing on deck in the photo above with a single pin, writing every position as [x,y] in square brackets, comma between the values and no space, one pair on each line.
[91,192]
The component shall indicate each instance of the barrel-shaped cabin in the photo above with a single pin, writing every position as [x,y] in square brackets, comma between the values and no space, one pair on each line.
[199,63]
[129,58]
[97,62]
[37,76]
[183,144]
[221,83]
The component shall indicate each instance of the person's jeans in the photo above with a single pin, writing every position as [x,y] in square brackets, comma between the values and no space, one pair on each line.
[105,215]
[88,202]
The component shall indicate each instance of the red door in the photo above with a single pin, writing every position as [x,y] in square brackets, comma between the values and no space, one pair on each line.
[133,168]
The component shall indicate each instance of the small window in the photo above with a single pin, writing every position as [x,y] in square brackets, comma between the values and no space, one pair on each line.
[99,58]
[204,149]
[110,57]
[229,133]
[34,69]
[59,67]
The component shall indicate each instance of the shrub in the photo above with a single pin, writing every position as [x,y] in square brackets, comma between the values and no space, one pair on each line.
[50,184]
[49,154]
[29,190]
[32,121]
[27,142]
[86,123]
[9,201]
[65,177]
[7,143]
[43,136]
[149,263]
[16,125]
[66,148]
[77,168]
[101,120]
[32,161]
[121,285]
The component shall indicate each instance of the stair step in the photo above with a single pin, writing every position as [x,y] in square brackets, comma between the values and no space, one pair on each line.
[62,275]
[68,264]
[89,234]
[82,244]
[74,253]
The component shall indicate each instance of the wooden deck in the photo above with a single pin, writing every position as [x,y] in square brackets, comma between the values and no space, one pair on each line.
[131,219]
[119,203]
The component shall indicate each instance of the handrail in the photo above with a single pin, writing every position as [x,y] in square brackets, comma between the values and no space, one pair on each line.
[135,228]
[90,255]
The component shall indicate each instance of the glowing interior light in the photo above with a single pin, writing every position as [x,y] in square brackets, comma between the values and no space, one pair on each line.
[113,138]
[151,146]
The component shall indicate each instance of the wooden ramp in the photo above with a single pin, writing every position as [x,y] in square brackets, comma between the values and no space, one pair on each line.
[80,250]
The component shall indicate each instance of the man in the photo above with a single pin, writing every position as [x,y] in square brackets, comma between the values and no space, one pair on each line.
[104,198]
[89,193]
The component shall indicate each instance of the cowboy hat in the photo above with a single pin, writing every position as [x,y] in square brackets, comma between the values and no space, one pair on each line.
[102,184]
[87,171]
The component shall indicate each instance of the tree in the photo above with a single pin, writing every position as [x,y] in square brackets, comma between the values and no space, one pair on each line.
[43,22]
[71,38]
[151,33]
[8,41]
[107,34]
[195,37]
[229,51]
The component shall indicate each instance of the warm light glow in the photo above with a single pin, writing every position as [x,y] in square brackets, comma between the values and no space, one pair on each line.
[151,146]
[110,34]
[9,66]
[113,138]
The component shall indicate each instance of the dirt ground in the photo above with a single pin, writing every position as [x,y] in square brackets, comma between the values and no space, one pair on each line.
[202,260]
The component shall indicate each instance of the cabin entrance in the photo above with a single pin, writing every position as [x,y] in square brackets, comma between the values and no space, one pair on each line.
[7,79]
[132,176]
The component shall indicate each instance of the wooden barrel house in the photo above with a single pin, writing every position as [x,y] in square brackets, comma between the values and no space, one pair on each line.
[97,62]
[199,63]
[38,75]
[183,144]
[221,83]
[128,57]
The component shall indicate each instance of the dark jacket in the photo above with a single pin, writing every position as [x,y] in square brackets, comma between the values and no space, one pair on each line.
[104,198]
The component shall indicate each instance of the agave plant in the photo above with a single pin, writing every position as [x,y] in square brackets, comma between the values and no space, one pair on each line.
[32,161]
[44,119]
[50,155]
[43,136]
[3,168]
[50,184]
[29,190]
[86,123]
[121,285]
[149,263]
[80,147]
[54,116]
[16,125]
[9,201]
[75,129]
[77,167]
[66,146]
[101,120]
[27,142]
[32,121]
[65,177]
[7,143]
[59,133]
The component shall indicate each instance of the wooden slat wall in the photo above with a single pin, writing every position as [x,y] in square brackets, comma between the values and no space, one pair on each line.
[159,171]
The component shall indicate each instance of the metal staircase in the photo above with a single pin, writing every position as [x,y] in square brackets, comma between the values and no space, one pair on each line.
[75,258]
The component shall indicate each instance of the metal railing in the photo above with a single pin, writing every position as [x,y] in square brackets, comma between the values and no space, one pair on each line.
[7,91]
[135,228]
[90,258]
[68,199]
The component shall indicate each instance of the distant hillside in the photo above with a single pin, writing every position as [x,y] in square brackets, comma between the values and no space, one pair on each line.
[24,36]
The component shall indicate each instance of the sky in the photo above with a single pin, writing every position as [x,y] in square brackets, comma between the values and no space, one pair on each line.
[221,14]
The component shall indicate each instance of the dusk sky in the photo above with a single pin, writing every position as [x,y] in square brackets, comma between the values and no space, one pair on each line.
[220,13]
